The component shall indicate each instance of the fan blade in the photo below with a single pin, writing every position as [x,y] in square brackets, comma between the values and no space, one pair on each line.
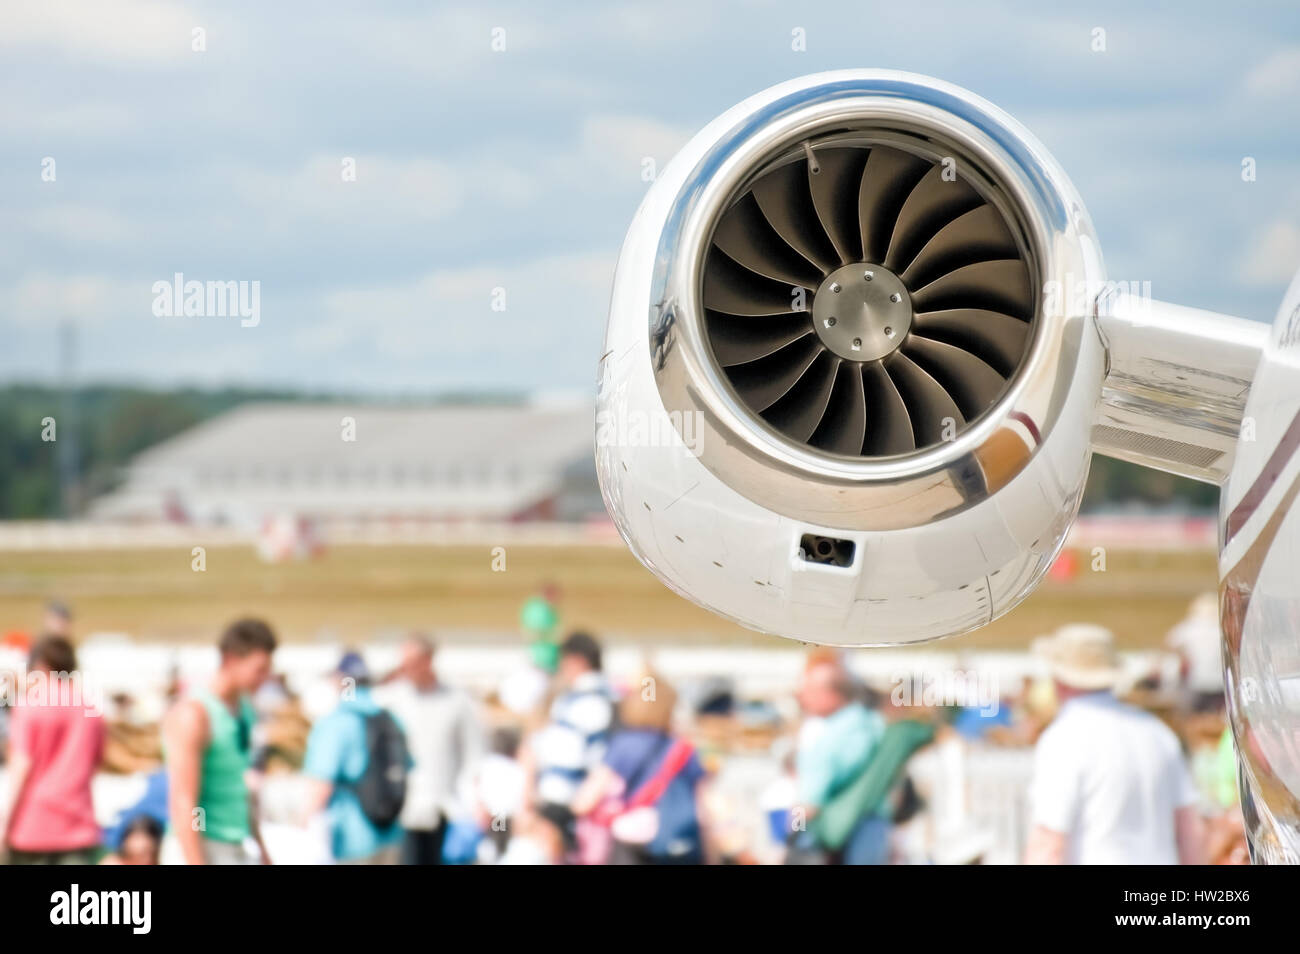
[739,340]
[932,409]
[972,383]
[800,410]
[762,383]
[978,235]
[843,429]
[887,180]
[736,290]
[932,204]
[997,338]
[890,429]
[834,191]
[1000,285]
[786,201]
[745,235]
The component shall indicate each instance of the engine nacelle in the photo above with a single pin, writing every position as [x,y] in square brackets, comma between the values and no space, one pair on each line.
[852,363]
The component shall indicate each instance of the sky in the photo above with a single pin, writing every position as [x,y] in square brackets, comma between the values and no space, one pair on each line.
[479,170]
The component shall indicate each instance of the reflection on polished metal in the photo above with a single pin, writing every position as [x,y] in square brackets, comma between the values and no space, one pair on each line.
[1176,384]
[1262,656]
[949,466]
[842,263]
[1259,596]
[963,208]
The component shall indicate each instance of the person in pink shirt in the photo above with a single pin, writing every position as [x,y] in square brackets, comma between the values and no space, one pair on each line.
[56,742]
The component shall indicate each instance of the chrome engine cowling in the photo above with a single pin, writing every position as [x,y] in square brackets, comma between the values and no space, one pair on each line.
[852,363]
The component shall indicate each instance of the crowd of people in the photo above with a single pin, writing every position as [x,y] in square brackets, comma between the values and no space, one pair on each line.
[577,768]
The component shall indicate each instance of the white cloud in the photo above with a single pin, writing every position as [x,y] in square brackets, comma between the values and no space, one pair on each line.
[384,189]
[1274,257]
[1276,75]
[620,143]
[444,42]
[553,305]
[43,298]
[40,115]
[78,224]
[605,151]
[130,31]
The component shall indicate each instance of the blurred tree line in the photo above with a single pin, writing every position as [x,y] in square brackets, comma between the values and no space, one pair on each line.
[1116,484]
[105,425]
[109,425]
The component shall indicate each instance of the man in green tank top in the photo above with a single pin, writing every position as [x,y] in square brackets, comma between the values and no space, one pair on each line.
[208,740]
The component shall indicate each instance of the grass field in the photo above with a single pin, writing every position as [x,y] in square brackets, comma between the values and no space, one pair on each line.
[358,593]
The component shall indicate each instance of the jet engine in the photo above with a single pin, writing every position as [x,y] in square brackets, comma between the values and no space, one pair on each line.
[861,348]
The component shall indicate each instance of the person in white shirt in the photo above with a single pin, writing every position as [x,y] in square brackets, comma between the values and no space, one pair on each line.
[444,736]
[495,788]
[1199,646]
[1110,782]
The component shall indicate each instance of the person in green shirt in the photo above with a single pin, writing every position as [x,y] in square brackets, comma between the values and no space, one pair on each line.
[838,738]
[208,748]
[1225,771]
[539,619]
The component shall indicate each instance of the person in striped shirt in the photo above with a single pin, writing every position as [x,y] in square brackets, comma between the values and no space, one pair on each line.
[573,740]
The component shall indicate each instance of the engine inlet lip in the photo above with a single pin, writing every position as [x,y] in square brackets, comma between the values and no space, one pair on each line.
[1008,168]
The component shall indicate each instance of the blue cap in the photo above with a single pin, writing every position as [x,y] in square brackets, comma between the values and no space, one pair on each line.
[353,666]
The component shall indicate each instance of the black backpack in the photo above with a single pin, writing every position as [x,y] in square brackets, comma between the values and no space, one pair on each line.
[381,790]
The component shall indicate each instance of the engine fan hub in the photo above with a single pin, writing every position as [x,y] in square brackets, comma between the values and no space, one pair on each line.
[862,312]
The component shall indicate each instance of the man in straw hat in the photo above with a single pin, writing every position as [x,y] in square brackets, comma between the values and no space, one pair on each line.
[1110,783]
